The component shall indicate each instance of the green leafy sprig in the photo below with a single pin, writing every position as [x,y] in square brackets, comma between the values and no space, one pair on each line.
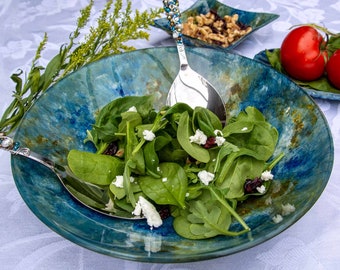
[116,25]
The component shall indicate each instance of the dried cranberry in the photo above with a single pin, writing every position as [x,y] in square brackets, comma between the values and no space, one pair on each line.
[251,184]
[211,142]
[164,211]
[112,149]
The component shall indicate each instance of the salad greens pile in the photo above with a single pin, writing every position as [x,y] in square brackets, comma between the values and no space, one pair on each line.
[178,157]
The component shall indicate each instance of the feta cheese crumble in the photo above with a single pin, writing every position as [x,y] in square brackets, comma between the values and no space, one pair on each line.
[149,211]
[219,139]
[109,206]
[164,179]
[148,135]
[132,109]
[244,129]
[277,218]
[287,209]
[199,137]
[205,177]
[119,181]
[267,175]
[261,189]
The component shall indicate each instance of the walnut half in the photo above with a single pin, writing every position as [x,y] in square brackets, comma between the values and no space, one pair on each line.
[215,30]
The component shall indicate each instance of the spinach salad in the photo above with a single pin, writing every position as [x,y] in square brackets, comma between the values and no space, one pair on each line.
[179,159]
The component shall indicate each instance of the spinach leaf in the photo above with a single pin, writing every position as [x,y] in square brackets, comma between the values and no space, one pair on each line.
[261,142]
[170,189]
[129,166]
[183,134]
[151,155]
[109,118]
[123,104]
[258,135]
[235,172]
[173,152]
[94,168]
[206,217]
[178,108]
[226,149]
[133,154]
[134,118]
[119,193]
[151,159]
[238,127]
[134,161]
[206,121]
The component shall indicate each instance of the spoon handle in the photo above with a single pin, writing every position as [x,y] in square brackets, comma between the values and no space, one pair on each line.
[78,188]
[171,8]
[8,144]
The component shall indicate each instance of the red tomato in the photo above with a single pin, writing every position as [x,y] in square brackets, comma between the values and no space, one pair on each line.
[302,54]
[333,69]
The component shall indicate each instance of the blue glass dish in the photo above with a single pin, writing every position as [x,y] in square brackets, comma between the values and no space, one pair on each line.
[262,57]
[254,19]
[59,119]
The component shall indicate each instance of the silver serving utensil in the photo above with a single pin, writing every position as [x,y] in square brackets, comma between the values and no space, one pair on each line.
[190,87]
[90,195]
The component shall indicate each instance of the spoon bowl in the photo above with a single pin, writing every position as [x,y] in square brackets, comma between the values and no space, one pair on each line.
[91,196]
[190,87]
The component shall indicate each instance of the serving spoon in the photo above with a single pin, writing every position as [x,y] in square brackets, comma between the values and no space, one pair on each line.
[90,195]
[189,87]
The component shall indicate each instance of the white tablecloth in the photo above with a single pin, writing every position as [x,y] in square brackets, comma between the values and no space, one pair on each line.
[26,243]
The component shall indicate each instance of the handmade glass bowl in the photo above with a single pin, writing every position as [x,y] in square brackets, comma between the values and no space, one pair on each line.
[256,20]
[59,119]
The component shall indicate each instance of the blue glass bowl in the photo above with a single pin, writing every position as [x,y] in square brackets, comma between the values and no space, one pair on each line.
[254,19]
[59,119]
